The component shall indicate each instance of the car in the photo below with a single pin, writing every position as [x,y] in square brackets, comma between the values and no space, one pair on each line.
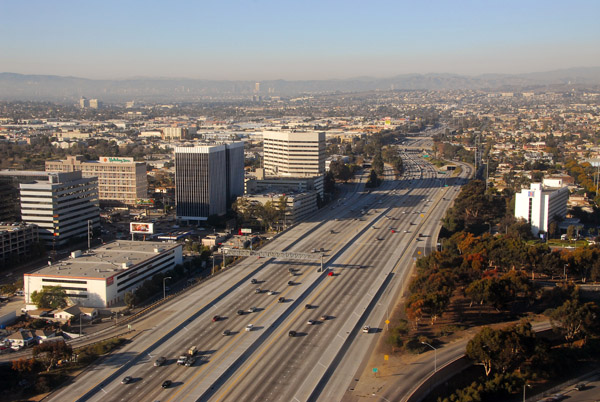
[126,380]
[252,309]
[160,361]
[166,384]
[258,290]
[330,273]
[240,312]
[366,329]
[324,317]
[310,322]
[216,318]
[292,333]
[307,306]
[314,250]
[580,387]
[271,292]
[226,332]
[249,327]
[281,299]
[290,283]
[253,281]
[332,231]
[406,231]
[190,361]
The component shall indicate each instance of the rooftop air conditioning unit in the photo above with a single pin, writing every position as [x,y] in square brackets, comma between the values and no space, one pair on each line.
[76,253]
[126,265]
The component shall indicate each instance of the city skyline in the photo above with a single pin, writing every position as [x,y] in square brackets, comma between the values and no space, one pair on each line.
[264,40]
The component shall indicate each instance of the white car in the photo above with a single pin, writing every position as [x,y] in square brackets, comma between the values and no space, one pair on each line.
[271,292]
[249,327]
[366,329]
[310,322]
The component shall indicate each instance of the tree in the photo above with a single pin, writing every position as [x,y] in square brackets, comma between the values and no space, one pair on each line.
[51,297]
[129,299]
[574,320]
[49,353]
[282,208]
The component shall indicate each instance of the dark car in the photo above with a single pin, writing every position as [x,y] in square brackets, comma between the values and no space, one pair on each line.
[126,380]
[240,312]
[281,299]
[307,306]
[166,384]
[292,333]
[253,281]
[290,283]
[216,318]
[226,332]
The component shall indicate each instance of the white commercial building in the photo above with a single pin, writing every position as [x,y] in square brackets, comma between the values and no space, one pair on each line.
[101,276]
[64,206]
[540,206]
[294,154]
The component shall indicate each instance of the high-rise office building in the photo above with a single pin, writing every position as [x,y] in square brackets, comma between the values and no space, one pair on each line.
[10,202]
[294,154]
[207,179]
[121,180]
[540,206]
[64,206]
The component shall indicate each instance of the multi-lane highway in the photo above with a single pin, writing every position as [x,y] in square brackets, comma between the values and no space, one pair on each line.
[370,241]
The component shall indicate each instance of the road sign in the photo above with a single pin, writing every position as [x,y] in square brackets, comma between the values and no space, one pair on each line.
[387,321]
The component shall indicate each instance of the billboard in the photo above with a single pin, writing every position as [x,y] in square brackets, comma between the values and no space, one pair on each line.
[144,201]
[144,228]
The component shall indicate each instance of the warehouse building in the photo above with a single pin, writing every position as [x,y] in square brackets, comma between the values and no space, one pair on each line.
[101,276]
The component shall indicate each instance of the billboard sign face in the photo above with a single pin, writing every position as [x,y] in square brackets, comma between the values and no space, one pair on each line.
[246,231]
[145,201]
[115,159]
[143,228]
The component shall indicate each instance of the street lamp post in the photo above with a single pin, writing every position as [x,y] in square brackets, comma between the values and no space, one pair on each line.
[524,387]
[164,287]
[434,356]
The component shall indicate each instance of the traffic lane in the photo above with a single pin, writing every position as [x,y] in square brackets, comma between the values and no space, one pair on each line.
[208,331]
[296,351]
[259,381]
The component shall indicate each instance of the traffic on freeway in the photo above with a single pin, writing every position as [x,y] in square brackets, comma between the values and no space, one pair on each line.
[284,341]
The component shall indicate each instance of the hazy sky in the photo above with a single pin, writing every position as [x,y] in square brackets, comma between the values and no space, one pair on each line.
[295,39]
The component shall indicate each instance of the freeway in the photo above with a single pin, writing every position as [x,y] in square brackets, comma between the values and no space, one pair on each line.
[370,240]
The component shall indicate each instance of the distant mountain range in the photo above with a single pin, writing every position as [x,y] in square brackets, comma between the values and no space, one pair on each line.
[69,89]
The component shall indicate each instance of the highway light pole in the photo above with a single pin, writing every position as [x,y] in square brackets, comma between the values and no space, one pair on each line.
[164,287]
[434,356]
[524,387]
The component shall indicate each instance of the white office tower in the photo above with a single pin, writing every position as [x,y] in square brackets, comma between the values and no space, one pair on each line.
[294,154]
[541,206]
[64,206]
[207,180]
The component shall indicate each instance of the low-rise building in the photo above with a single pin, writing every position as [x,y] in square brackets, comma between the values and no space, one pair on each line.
[101,276]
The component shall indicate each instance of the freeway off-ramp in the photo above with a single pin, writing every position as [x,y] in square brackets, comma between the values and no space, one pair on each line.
[370,255]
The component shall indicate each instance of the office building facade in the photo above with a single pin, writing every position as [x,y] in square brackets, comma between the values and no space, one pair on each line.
[100,277]
[541,206]
[294,154]
[121,180]
[16,241]
[207,180]
[64,206]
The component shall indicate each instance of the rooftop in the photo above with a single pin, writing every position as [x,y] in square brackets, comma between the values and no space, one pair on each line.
[105,261]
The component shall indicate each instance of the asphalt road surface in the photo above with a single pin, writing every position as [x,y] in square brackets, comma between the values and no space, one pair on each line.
[370,240]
